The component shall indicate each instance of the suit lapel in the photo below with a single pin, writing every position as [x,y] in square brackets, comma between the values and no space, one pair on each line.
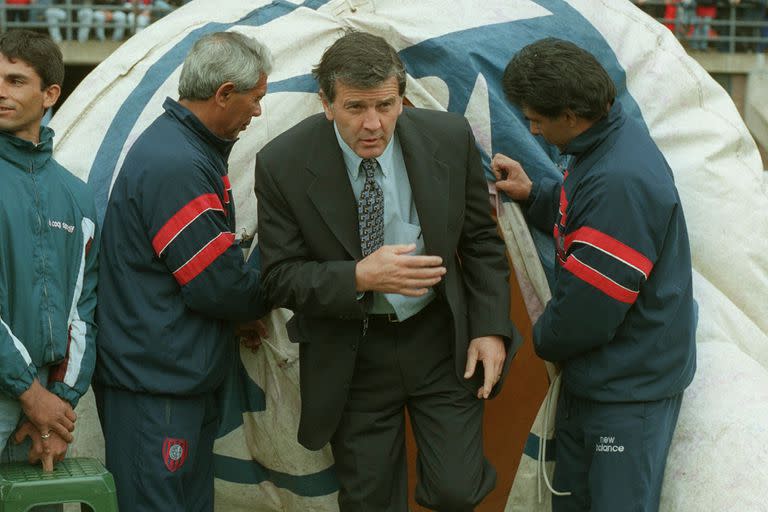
[428,177]
[330,190]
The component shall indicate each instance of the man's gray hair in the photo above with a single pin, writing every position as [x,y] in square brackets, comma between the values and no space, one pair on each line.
[223,57]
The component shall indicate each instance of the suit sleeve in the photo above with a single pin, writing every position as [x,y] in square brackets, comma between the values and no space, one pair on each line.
[482,256]
[70,379]
[609,252]
[292,277]
[186,220]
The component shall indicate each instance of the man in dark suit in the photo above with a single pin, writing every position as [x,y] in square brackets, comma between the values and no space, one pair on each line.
[374,228]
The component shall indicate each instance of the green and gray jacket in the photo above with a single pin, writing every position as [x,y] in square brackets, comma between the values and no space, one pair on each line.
[48,268]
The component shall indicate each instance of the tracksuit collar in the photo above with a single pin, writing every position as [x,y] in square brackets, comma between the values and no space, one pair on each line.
[597,133]
[24,154]
[186,117]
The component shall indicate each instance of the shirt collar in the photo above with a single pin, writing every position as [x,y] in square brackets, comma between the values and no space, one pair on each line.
[352,160]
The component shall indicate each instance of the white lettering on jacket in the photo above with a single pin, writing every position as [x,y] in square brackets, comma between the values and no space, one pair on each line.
[58,224]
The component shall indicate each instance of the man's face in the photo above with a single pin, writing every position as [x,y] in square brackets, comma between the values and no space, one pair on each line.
[22,101]
[555,130]
[241,107]
[366,118]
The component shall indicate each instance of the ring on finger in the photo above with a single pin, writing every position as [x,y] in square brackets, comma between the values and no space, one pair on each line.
[46,435]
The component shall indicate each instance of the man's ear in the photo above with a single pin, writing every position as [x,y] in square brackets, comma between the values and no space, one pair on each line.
[327,106]
[224,93]
[51,95]
[570,117]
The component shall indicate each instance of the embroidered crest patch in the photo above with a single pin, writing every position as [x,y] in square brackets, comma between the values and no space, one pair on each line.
[174,453]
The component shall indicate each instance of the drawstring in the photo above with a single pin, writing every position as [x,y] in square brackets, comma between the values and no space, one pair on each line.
[542,455]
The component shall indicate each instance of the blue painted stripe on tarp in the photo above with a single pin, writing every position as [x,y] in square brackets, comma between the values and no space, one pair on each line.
[101,173]
[241,471]
[532,447]
[303,83]
[240,395]
[486,50]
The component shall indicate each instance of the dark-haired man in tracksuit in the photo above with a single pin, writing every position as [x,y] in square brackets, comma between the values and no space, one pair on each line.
[621,323]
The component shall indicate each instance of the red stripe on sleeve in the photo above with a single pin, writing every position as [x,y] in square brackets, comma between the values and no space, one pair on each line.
[563,205]
[599,281]
[184,218]
[227,188]
[610,246]
[203,258]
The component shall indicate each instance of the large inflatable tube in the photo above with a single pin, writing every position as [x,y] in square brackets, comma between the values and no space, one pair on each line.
[455,53]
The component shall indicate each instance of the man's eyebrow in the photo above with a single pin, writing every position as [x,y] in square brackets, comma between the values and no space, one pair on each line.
[16,76]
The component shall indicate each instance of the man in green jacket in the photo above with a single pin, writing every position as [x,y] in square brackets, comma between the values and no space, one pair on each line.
[47,262]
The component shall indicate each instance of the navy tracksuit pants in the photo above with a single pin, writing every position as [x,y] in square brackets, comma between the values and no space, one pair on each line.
[611,456]
[159,448]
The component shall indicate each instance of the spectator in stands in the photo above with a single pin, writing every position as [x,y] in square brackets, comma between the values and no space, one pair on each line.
[141,12]
[37,9]
[754,12]
[101,18]
[678,15]
[670,14]
[706,11]
[686,16]
[116,17]
[55,16]
[21,15]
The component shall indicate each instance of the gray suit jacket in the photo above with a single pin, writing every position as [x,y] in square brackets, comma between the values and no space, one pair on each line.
[309,245]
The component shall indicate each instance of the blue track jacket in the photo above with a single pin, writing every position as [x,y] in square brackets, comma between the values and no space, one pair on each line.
[48,269]
[172,278]
[622,319]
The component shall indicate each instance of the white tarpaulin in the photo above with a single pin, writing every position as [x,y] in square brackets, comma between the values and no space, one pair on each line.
[455,53]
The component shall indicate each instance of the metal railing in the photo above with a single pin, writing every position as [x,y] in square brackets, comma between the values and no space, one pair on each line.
[737,28]
[33,16]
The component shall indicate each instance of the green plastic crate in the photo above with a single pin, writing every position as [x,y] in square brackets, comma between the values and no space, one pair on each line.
[75,480]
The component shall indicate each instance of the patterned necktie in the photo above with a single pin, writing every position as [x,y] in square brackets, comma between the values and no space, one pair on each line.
[370,209]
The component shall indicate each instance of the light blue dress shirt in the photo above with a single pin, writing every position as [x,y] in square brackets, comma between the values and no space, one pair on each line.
[401,221]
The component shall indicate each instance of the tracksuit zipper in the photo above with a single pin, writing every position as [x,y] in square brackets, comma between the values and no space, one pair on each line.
[42,252]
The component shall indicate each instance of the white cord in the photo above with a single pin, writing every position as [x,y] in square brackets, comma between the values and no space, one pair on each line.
[542,459]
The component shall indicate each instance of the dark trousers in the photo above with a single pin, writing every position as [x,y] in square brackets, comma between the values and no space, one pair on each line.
[410,365]
[159,449]
[611,456]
